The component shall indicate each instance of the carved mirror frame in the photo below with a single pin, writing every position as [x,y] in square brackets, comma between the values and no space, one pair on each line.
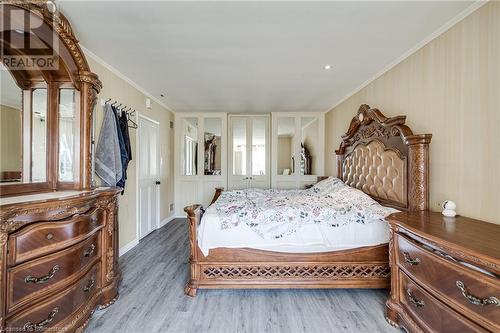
[73,71]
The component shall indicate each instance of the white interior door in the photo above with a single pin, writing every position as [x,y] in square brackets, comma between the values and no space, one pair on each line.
[149,175]
[249,152]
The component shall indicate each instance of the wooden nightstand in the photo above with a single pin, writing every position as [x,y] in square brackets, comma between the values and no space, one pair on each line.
[445,273]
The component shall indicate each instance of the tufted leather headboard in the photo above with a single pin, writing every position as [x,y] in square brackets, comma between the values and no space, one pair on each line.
[382,157]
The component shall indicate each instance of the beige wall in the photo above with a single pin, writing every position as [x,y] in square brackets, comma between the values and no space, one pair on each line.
[117,89]
[450,88]
[11,150]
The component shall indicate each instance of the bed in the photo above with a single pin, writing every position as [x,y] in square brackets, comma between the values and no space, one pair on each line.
[379,157]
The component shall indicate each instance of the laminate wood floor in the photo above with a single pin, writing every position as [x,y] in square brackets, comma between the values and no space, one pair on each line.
[152,299]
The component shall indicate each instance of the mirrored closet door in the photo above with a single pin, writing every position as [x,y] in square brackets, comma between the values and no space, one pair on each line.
[201,159]
[249,152]
[298,149]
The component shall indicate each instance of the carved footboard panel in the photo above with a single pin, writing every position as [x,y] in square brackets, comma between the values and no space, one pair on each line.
[294,273]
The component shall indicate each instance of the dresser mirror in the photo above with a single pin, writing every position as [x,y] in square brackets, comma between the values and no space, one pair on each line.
[46,106]
[11,130]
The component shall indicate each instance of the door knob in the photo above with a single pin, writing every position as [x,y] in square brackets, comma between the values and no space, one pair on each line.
[158,182]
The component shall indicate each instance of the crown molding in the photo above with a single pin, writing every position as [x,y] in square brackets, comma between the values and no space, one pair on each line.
[123,77]
[459,17]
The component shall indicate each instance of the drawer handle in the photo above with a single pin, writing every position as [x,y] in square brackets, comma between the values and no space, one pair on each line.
[49,236]
[42,279]
[90,285]
[90,251]
[30,327]
[410,260]
[476,300]
[418,303]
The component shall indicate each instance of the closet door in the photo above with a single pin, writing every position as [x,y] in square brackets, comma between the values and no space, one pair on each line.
[149,175]
[285,149]
[298,149]
[214,151]
[259,174]
[201,164]
[249,152]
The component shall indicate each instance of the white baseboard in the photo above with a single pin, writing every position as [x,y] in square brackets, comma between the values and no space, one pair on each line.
[166,220]
[128,247]
[124,249]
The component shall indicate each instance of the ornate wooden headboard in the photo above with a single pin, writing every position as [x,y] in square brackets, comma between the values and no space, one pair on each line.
[382,157]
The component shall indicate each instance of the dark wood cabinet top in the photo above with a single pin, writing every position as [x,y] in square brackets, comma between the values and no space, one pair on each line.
[463,234]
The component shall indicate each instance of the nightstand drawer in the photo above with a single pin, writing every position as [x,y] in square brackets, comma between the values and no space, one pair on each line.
[472,293]
[435,316]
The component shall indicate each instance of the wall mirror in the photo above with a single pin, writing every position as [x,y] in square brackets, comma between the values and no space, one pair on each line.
[213,148]
[46,109]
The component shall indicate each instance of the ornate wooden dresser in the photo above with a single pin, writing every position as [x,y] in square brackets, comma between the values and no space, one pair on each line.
[445,273]
[58,234]
[58,260]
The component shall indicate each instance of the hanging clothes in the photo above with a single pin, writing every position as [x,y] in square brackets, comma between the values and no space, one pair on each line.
[126,134]
[123,151]
[108,161]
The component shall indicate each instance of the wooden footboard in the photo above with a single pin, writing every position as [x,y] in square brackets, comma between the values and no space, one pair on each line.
[366,267]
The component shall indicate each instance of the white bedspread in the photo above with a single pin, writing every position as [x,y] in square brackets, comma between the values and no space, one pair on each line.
[311,238]
[328,217]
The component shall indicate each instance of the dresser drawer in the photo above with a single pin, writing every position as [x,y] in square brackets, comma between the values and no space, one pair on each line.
[431,313]
[30,281]
[46,237]
[471,293]
[43,316]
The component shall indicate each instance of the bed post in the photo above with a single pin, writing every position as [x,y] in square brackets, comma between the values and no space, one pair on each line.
[194,213]
[340,162]
[418,153]
[218,192]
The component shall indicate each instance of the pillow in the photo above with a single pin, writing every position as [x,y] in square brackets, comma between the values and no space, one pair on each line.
[327,186]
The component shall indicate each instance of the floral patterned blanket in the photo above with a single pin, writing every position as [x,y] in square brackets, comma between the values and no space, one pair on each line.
[274,214]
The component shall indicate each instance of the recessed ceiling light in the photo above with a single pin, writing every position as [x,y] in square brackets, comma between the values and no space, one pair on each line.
[327,67]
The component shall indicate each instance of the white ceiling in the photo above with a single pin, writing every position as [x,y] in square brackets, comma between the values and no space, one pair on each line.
[253,56]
